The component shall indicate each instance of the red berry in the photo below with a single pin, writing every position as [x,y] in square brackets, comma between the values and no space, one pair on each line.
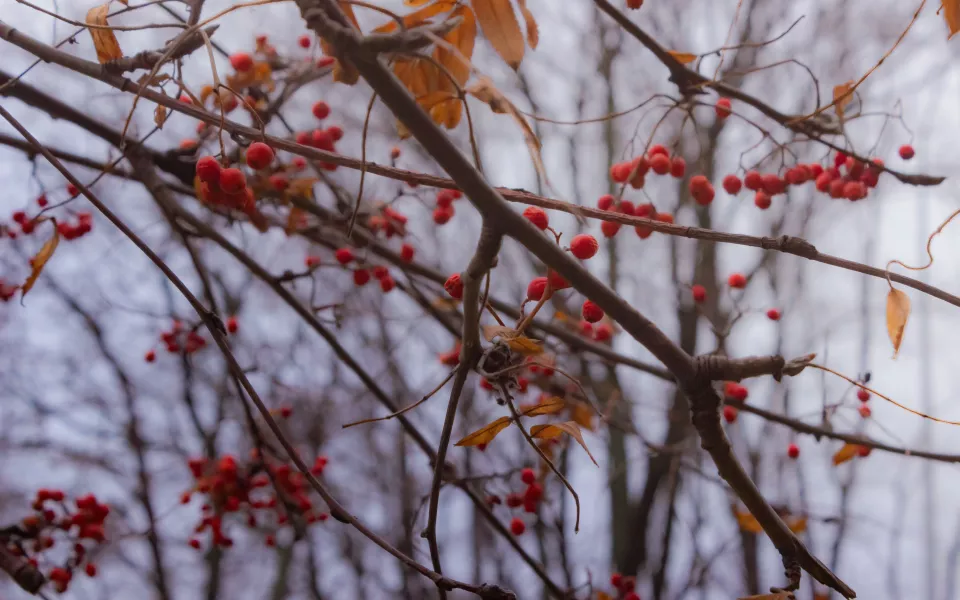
[537,216]
[634,4]
[628,585]
[279,182]
[584,246]
[605,202]
[42,201]
[304,41]
[678,167]
[722,108]
[772,184]
[762,200]
[602,332]
[232,180]
[442,215]
[732,184]
[232,325]
[150,356]
[299,163]
[270,541]
[312,261]
[658,149]
[699,293]
[19,217]
[737,281]
[906,152]
[863,395]
[609,228]
[735,391]
[536,288]
[837,188]
[701,189]
[387,284]
[616,580]
[793,451]
[591,312]
[454,286]
[664,217]
[380,271]
[406,253]
[556,281]
[241,61]
[854,190]
[753,181]
[91,570]
[864,411]
[620,172]
[773,314]
[72,190]
[517,527]
[514,500]
[864,451]
[660,164]
[321,110]
[344,256]
[626,207]
[729,414]
[394,153]
[361,277]
[259,156]
[528,476]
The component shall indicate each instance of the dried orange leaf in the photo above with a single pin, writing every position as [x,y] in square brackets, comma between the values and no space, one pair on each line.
[159,116]
[514,341]
[797,524]
[501,29]
[104,41]
[40,260]
[748,522]
[555,429]
[302,188]
[533,31]
[951,13]
[551,405]
[684,58]
[417,17]
[842,97]
[485,434]
[898,311]
[603,596]
[582,415]
[845,453]
[344,73]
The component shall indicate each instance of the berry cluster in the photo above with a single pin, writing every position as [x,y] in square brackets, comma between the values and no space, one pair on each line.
[179,339]
[624,587]
[444,210]
[228,488]
[80,527]
[610,229]
[529,499]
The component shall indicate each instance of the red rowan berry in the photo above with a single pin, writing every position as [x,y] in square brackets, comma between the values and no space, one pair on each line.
[534,493]
[232,325]
[586,329]
[394,153]
[528,476]
[737,281]
[735,391]
[732,184]
[487,385]
[722,108]
[259,156]
[658,149]
[660,164]
[514,500]
[628,585]
[620,172]
[241,61]
[839,159]
[678,166]
[626,208]
[344,256]
[773,314]
[753,181]
[854,190]
[279,182]
[729,414]
[28,226]
[701,189]
[454,286]
[605,201]
[536,288]
[42,201]
[304,41]
[634,4]
[19,217]
[517,527]
[609,228]
[312,261]
[762,200]
[906,152]
[150,356]
[602,332]
[72,190]
[380,271]
[91,570]
[335,132]
[188,144]
[361,277]
[442,215]
[699,293]
[837,187]
[232,180]
[591,312]
[864,411]
[864,451]
[556,281]
[59,575]
[822,182]
[387,284]
[863,395]
[584,246]
[793,451]
[321,110]
[537,216]
[406,253]
[616,580]
[664,217]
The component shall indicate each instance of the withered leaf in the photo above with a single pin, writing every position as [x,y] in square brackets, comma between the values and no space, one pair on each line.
[345,73]
[898,311]
[417,17]
[582,415]
[845,453]
[533,31]
[842,97]
[40,260]
[159,116]
[302,187]
[485,434]
[514,341]
[797,524]
[747,522]
[156,80]
[951,13]
[555,429]
[104,41]
[684,58]
[551,405]
[501,29]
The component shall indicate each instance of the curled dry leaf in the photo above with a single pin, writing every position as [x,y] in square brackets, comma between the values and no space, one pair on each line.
[898,311]
[747,522]
[845,453]
[553,430]
[551,405]
[684,58]
[40,260]
[418,17]
[104,41]
[485,434]
[842,97]
[533,31]
[346,73]
[159,116]
[456,61]
[582,415]
[501,29]
[301,188]
[951,13]
[513,340]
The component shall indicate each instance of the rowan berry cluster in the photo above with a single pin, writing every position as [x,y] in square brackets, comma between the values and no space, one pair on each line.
[529,500]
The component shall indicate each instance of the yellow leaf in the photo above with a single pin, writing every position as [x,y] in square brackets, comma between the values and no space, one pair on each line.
[549,406]
[533,32]
[485,434]
[457,64]
[417,17]
[302,187]
[845,453]
[582,415]
[898,311]
[842,97]
[684,58]
[797,524]
[603,596]
[344,73]
[159,116]
[501,29]
[747,522]
[105,42]
[553,430]
[951,13]
[40,260]
[517,343]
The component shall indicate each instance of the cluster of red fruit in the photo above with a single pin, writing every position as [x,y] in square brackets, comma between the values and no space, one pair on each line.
[624,586]
[228,488]
[444,210]
[391,223]
[610,229]
[529,499]
[864,409]
[657,159]
[361,275]
[736,281]
[82,526]
[228,186]
[733,391]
